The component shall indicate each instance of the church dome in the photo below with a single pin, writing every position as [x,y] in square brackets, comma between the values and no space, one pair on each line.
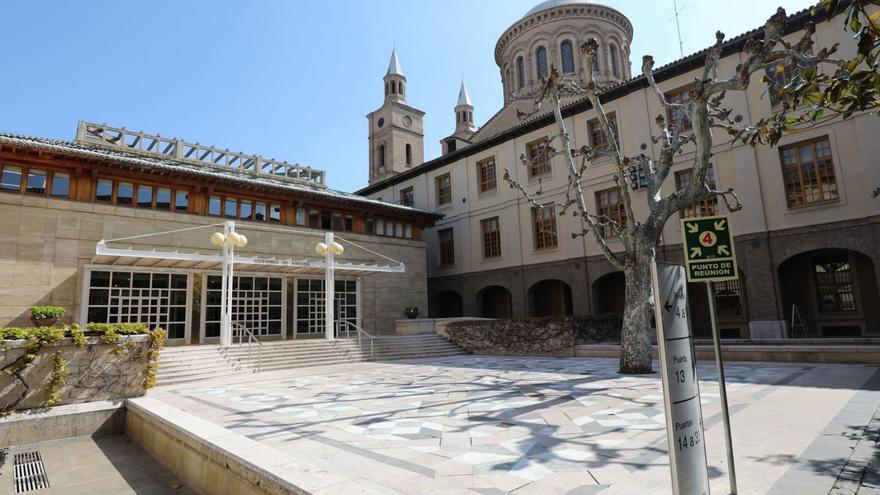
[549,4]
[550,35]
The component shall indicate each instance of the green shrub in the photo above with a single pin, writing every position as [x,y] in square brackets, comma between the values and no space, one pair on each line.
[45,312]
[109,332]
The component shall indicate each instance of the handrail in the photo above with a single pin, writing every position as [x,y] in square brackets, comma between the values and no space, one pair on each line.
[251,338]
[359,332]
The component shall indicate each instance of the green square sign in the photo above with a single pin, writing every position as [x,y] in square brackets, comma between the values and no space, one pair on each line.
[708,249]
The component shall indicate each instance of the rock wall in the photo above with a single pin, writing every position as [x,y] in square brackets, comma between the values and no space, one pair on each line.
[95,372]
[549,336]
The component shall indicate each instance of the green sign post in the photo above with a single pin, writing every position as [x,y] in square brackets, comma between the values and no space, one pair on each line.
[708,249]
[709,257]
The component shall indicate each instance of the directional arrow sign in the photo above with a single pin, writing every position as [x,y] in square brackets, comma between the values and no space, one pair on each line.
[709,251]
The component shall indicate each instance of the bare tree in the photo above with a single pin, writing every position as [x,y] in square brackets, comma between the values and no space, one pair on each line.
[640,237]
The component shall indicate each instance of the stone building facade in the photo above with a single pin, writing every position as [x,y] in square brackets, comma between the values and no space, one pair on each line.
[60,199]
[807,239]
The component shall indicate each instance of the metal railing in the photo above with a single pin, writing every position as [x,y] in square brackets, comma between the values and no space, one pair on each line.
[242,330]
[178,149]
[360,332]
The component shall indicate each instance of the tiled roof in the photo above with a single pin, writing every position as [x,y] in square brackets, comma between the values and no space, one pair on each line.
[86,151]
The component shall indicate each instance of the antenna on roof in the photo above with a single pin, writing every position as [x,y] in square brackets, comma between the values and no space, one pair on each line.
[678,26]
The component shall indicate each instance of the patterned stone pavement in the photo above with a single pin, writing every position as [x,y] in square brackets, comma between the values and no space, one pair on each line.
[488,425]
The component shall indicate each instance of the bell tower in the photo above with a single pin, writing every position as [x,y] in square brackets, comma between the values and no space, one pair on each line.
[396,132]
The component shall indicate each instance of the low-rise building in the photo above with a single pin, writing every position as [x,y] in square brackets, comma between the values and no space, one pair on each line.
[116,226]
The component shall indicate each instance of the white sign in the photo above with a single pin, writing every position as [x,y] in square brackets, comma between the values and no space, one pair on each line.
[681,391]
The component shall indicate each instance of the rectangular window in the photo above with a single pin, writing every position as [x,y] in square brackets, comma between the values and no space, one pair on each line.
[60,185]
[808,173]
[486,172]
[407,197]
[380,227]
[408,231]
[727,298]
[314,219]
[682,97]
[544,221]
[36,181]
[598,140]
[156,299]
[275,213]
[491,230]
[300,216]
[214,206]
[609,204]
[11,178]
[337,221]
[326,220]
[163,198]
[368,225]
[398,229]
[446,240]
[181,201]
[104,190]
[349,223]
[704,208]
[230,207]
[145,197]
[246,209]
[260,212]
[834,284]
[538,153]
[124,193]
[444,190]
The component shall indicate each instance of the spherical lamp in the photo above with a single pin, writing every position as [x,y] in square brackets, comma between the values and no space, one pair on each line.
[218,239]
[336,248]
[321,248]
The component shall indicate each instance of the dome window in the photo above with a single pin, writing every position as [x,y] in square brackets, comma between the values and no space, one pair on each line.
[541,59]
[567,57]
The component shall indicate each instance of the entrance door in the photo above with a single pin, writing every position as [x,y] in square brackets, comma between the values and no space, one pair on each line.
[310,306]
[257,303]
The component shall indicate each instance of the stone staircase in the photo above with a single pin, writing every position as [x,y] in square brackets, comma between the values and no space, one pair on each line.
[202,362]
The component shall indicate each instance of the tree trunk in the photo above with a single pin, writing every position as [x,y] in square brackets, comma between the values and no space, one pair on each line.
[635,337]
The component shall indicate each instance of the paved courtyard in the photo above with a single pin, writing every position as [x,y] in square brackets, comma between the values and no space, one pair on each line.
[491,425]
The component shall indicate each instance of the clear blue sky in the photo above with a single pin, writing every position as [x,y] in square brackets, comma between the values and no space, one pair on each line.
[291,80]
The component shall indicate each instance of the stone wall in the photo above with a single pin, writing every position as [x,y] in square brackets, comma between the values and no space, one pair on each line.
[550,336]
[95,373]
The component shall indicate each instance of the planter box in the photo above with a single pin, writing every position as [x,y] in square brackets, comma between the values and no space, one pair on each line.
[95,373]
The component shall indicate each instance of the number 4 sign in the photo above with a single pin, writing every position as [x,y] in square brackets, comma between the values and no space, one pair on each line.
[708,249]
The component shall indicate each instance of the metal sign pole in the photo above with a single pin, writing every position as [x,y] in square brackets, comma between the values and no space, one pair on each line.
[725,413]
[678,373]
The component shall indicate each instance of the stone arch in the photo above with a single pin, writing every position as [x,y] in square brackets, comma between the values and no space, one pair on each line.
[494,301]
[730,304]
[609,292]
[550,297]
[447,304]
[834,289]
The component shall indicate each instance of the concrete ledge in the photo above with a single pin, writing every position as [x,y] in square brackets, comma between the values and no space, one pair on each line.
[72,420]
[849,354]
[214,460]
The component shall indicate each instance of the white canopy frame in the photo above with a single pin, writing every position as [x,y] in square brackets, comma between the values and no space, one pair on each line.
[227,261]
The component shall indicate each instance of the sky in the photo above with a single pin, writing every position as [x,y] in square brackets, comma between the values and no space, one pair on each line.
[290,80]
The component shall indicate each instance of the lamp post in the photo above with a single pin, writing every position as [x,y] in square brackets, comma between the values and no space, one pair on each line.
[329,249]
[229,239]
